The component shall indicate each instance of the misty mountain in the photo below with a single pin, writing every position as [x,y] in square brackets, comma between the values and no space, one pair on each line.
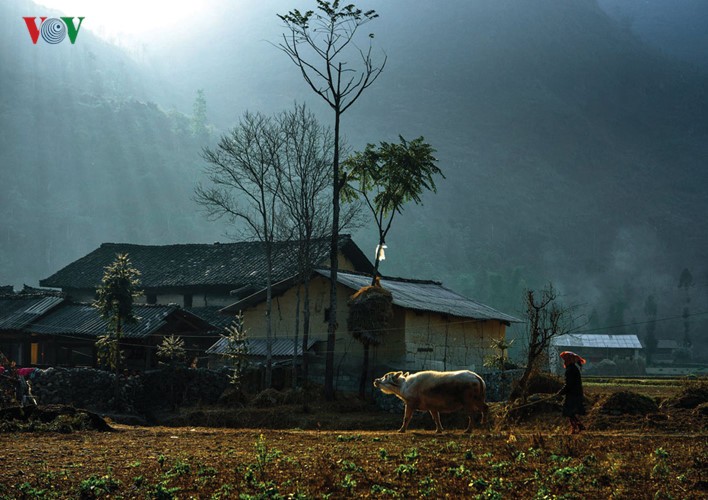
[86,156]
[574,151]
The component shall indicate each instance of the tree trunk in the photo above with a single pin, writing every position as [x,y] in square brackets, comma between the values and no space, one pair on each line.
[364,371]
[376,262]
[305,329]
[297,331]
[269,322]
[305,340]
[334,265]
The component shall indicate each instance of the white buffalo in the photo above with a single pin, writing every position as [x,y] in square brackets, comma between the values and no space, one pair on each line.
[436,392]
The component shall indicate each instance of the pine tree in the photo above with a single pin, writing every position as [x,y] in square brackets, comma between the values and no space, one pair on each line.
[114,301]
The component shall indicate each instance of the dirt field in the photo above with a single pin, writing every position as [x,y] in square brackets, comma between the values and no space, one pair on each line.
[659,455]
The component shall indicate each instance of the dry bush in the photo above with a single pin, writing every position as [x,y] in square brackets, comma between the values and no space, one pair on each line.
[544,383]
[268,399]
[233,397]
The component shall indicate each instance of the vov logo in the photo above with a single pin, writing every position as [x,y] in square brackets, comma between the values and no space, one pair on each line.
[53,30]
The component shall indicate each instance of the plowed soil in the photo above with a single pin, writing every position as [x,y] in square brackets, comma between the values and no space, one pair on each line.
[657,455]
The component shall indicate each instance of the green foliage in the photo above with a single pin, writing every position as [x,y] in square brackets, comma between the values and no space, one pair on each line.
[98,486]
[427,487]
[406,470]
[344,438]
[660,470]
[162,491]
[114,301]
[236,349]
[199,127]
[108,351]
[499,360]
[392,175]
[412,455]
[172,350]
[117,293]
[348,483]
[389,176]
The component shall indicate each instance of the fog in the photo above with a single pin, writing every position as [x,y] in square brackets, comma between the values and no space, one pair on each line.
[573,135]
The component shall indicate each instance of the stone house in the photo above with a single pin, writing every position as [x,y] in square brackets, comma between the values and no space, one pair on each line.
[50,330]
[198,275]
[432,327]
[201,278]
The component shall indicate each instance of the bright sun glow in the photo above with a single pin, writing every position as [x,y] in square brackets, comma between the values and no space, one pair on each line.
[128,21]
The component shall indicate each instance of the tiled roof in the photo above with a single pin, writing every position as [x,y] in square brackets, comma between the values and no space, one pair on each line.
[597,341]
[419,295]
[84,320]
[18,311]
[280,348]
[212,316]
[428,296]
[225,264]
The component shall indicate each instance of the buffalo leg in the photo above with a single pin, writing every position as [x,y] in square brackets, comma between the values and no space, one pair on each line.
[407,414]
[436,419]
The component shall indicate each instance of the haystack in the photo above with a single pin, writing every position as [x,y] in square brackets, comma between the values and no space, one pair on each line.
[692,395]
[370,310]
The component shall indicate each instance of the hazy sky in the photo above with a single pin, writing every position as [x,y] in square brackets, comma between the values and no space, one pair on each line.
[134,23]
[131,21]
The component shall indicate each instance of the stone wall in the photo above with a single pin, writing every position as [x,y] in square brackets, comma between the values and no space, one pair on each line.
[102,391]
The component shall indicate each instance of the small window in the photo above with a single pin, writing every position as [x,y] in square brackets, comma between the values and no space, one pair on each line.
[151,298]
[187,300]
[326,315]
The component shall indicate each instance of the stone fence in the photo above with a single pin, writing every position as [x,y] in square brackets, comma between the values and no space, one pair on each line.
[103,391]
[143,392]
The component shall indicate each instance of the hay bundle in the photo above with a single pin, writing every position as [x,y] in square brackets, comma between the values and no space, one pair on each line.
[628,403]
[691,396]
[370,310]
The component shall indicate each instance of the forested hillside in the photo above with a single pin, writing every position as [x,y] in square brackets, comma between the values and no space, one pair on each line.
[87,156]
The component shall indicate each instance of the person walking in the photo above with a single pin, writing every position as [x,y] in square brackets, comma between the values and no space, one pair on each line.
[574,404]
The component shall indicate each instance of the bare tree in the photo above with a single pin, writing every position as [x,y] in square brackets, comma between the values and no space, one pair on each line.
[546,319]
[322,45]
[307,157]
[245,181]
[306,169]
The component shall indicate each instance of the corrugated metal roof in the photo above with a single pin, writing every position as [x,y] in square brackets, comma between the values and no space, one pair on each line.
[84,319]
[16,312]
[597,341]
[425,296]
[220,264]
[280,348]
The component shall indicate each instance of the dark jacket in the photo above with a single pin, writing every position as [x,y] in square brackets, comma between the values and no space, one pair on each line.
[573,390]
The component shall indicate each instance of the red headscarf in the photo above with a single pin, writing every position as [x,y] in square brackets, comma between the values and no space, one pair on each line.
[569,358]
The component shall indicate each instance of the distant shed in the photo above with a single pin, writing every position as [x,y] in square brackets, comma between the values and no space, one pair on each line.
[594,347]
